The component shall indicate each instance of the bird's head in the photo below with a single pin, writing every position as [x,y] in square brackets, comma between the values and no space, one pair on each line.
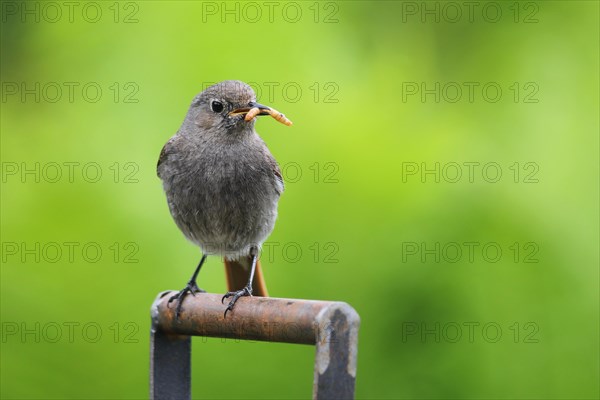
[228,106]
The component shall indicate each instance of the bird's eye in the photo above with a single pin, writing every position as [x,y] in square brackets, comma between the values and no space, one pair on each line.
[216,106]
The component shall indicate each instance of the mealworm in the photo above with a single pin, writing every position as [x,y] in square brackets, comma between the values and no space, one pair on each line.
[252,113]
[279,117]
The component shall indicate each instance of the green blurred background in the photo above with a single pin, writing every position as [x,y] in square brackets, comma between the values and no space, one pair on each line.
[354,224]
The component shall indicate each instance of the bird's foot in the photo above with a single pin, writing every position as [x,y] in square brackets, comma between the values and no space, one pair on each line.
[192,288]
[246,291]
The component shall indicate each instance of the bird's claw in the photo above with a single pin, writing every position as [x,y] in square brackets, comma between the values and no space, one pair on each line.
[192,288]
[246,291]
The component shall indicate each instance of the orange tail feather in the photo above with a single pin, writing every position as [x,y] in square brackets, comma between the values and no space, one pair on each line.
[238,273]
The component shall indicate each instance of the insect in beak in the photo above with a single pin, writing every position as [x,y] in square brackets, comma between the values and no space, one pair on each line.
[256,109]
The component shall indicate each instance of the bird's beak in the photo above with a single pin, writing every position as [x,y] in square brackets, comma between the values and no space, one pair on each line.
[262,110]
[255,109]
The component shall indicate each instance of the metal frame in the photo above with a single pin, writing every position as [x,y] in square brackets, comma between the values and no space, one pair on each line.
[331,326]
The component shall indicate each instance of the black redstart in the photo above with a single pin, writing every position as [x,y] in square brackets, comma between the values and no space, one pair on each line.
[223,185]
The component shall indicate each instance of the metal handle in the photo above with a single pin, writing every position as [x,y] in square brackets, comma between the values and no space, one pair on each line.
[331,326]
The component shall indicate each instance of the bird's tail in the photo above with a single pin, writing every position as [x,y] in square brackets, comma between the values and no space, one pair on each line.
[238,273]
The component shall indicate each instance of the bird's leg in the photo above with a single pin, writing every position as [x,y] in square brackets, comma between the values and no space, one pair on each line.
[191,287]
[247,290]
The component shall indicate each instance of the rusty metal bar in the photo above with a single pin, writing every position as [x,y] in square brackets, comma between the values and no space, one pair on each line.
[331,326]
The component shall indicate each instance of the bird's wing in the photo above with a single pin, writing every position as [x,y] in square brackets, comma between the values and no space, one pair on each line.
[277,172]
[163,155]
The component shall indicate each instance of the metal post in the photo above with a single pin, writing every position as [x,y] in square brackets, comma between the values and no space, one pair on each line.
[331,326]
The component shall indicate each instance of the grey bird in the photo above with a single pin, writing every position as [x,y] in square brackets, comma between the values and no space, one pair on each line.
[223,185]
